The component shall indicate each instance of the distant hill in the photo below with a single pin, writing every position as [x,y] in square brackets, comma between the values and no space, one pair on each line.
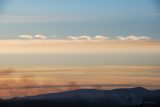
[126,97]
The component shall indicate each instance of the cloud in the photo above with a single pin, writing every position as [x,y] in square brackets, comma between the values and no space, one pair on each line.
[81,44]
[26,36]
[100,37]
[133,38]
[32,37]
[40,37]
[83,37]
[86,37]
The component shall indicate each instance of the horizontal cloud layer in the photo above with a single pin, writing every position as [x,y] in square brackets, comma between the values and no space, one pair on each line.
[133,37]
[74,46]
[26,36]
[84,37]
[33,37]
[88,37]
[40,37]
[101,37]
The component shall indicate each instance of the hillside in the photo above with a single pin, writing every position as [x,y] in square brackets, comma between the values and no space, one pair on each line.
[128,97]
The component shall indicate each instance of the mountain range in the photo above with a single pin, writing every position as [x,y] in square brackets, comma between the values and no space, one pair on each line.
[124,97]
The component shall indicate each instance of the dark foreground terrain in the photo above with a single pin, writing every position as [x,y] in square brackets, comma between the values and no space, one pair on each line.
[133,97]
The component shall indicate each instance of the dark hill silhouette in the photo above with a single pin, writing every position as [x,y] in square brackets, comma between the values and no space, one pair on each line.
[126,97]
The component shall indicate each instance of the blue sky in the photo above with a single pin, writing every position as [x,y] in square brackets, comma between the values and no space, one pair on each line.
[79,17]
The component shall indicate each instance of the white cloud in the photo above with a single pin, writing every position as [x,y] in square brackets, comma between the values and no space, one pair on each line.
[133,38]
[32,37]
[86,37]
[100,37]
[40,37]
[83,37]
[26,36]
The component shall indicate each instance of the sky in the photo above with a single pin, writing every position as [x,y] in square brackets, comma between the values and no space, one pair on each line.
[82,52]
[52,30]
[55,45]
[62,18]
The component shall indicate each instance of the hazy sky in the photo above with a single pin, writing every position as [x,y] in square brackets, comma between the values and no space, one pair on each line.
[79,52]
[79,17]
[45,43]
[38,80]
